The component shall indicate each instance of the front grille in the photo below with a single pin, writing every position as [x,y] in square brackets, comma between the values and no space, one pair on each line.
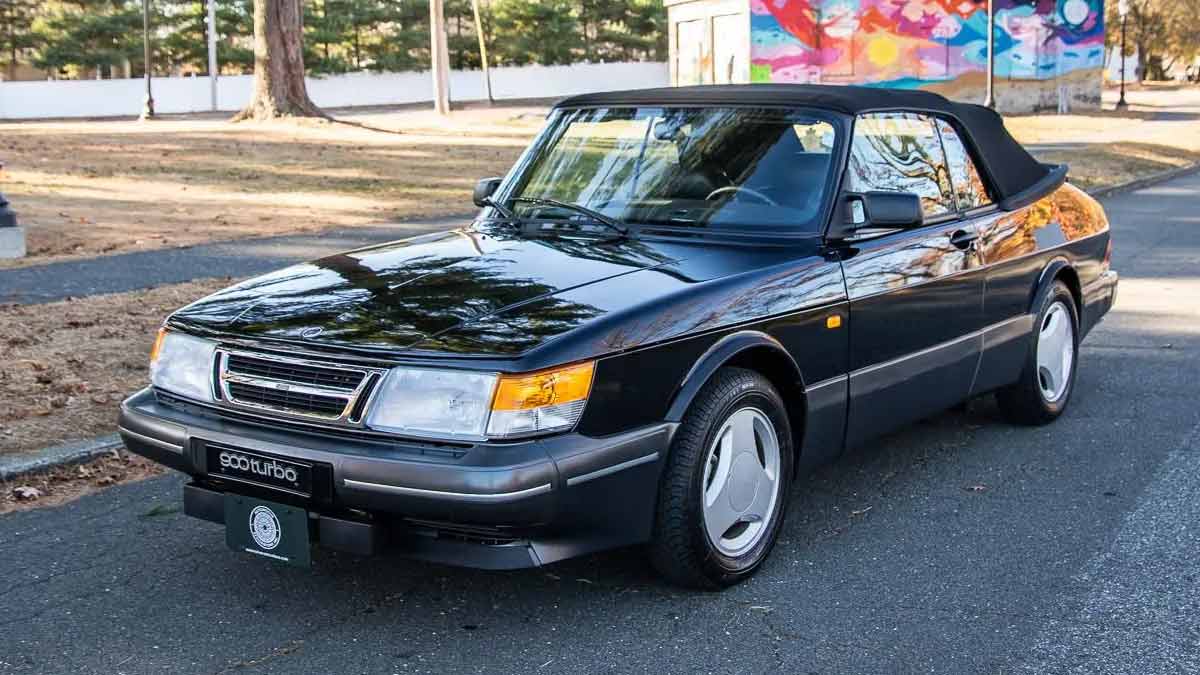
[334,378]
[327,406]
[290,387]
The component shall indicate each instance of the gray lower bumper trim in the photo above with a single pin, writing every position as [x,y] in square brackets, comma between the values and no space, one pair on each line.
[150,441]
[473,498]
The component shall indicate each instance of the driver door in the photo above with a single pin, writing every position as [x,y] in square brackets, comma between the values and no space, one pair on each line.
[916,295]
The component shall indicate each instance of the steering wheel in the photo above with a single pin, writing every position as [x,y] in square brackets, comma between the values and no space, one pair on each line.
[738,188]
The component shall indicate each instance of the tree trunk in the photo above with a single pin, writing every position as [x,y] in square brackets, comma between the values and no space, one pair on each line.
[279,89]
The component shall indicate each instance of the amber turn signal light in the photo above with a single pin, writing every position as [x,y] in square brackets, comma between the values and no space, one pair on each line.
[548,387]
[158,342]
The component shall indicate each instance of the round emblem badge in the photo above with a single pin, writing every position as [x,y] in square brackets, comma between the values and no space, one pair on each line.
[264,527]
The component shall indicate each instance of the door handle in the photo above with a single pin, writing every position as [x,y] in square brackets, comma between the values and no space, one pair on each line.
[964,239]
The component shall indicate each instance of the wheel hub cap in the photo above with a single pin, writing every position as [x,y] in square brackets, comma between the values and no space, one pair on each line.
[1055,352]
[741,481]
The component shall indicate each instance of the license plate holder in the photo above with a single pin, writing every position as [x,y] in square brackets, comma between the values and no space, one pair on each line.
[267,529]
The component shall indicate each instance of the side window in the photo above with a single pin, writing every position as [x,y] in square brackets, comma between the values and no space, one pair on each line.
[968,185]
[900,152]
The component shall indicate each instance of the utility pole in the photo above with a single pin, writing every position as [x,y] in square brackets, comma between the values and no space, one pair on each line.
[148,104]
[990,98]
[440,56]
[1123,10]
[212,50]
[483,59]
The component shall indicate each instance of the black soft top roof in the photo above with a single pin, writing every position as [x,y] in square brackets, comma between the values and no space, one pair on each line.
[1013,172]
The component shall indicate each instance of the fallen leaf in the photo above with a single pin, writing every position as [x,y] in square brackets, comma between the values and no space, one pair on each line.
[24,492]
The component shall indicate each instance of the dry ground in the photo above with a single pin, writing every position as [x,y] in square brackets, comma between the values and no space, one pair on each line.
[66,483]
[1107,148]
[68,364]
[90,188]
[96,187]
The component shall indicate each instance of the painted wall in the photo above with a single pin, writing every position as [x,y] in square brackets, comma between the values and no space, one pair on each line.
[1045,49]
[117,98]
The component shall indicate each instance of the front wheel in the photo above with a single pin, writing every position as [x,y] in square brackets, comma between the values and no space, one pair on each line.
[1048,377]
[724,490]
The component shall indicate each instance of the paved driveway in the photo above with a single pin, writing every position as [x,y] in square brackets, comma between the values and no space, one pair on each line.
[962,545]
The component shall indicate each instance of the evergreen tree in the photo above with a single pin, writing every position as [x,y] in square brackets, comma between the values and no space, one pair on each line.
[93,35]
[75,37]
[535,31]
[185,45]
[16,32]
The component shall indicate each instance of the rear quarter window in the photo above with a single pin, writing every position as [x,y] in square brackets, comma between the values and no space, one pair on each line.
[969,189]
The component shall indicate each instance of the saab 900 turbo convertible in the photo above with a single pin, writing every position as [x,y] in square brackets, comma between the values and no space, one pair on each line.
[676,301]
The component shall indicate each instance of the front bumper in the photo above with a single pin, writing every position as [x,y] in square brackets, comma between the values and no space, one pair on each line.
[503,505]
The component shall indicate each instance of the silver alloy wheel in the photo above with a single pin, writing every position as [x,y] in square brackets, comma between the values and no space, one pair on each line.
[741,481]
[1055,352]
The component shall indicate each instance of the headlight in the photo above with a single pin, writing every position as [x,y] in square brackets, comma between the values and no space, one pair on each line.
[425,402]
[551,400]
[182,364]
[475,406]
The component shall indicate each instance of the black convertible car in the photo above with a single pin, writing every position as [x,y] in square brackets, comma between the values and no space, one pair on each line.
[676,301]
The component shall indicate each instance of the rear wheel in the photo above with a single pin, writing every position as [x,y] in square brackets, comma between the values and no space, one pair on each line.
[724,490]
[1048,378]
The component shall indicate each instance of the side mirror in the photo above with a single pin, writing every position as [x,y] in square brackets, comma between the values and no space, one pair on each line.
[484,189]
[884,210]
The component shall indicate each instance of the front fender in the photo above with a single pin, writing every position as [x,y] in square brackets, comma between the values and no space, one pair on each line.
[720,353]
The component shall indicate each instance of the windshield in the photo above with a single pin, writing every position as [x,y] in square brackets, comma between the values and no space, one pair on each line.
[736,168]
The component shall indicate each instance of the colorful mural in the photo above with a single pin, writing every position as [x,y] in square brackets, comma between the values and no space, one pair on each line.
[923,43]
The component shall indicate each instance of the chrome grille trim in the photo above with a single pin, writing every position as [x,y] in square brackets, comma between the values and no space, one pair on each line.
[283,397]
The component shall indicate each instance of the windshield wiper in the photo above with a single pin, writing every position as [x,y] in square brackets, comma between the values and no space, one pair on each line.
[611,223]
[504,212]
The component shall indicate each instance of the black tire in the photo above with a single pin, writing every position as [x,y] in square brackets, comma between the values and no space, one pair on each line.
[680,549]
[1023,401]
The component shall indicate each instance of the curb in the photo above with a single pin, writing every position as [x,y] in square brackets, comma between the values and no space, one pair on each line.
[1144,181]
[57,456]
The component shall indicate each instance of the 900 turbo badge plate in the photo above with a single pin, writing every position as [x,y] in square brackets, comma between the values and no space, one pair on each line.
[267,529]
[252,467]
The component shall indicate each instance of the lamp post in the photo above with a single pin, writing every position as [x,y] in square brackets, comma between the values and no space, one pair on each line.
[487,77]
[990,98]
[1123,11]
[212,52]
[148,104]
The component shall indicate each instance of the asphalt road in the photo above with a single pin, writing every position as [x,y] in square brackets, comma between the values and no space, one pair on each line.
[240,258]
[962,545]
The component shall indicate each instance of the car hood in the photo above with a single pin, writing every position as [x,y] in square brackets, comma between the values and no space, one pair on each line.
[490,293]
[413,293]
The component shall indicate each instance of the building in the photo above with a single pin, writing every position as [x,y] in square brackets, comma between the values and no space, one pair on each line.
[1049,54]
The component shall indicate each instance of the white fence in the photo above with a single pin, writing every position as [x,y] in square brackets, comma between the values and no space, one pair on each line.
[115,98]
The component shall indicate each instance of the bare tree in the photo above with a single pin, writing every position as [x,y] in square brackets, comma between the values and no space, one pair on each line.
[279,88]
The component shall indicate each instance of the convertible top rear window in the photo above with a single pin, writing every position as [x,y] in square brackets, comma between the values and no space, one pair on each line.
[729,168]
